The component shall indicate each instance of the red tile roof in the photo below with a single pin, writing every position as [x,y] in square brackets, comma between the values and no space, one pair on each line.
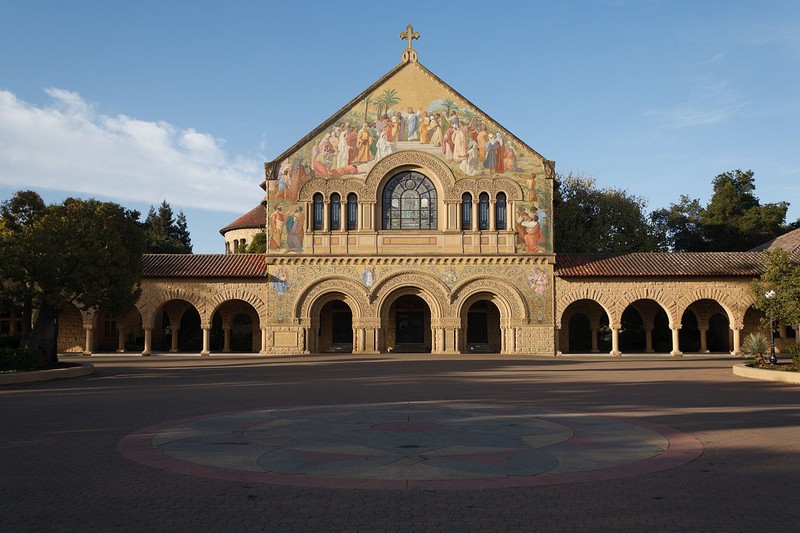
[788,241]
[255,218]
[645,265]
[204,266]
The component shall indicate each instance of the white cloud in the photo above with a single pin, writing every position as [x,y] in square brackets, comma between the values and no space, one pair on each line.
[67,145]
[710,102]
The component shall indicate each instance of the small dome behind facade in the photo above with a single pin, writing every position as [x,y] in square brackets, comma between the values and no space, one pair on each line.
[242,230]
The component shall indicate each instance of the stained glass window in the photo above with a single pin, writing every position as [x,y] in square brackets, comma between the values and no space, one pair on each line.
[318,211]
[500,213]
[352,211]
[466,211]
[483,211]
[409,202]
[335,212]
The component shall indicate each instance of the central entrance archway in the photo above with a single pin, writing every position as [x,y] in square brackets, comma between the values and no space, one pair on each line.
[336,327]
[410,325]
[483,327]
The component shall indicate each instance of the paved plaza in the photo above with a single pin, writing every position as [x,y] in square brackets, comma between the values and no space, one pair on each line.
[401,443]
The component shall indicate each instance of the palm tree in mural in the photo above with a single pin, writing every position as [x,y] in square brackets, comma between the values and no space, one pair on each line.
[367,101]
[469,115]
[389,98]
[449,106]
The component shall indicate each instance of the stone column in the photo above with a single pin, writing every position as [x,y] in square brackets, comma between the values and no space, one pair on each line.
[264,341]
[226,345]
[148,339]
[737,339]
[120,339]
[87,348]
[492,214]
[174,339]
[511,344]
[676,343]
[615,341]
[475,224]
[309,220]
[326,210]
[459,215]
[703,339]
[439,340]
[206,341]
[648,339]
[595,331]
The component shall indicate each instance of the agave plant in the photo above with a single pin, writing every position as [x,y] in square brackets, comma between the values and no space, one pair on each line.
[755,344]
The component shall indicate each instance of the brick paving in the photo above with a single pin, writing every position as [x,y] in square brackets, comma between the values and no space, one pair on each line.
[61,470]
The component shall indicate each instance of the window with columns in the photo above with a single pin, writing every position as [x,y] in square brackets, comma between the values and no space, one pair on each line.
[352,211]
[335,212]
[466,211]
[318,212]
[500,211]
[483,211]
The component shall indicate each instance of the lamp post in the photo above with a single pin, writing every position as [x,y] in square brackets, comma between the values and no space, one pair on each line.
[769,295]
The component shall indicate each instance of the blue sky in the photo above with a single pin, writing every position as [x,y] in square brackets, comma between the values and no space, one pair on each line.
[140,101]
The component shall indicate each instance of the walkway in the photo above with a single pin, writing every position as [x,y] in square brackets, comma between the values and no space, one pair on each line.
[414,442]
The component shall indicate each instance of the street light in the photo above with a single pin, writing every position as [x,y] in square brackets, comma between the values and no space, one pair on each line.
[769,295]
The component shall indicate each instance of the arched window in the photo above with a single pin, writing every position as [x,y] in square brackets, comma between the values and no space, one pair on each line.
[483,211]
[336,219]
[500,211]
[466,211]
[318,211]
[409,202]
[352,211]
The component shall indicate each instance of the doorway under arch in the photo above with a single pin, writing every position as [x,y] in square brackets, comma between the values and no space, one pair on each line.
[336,327]
[409,325]
[483,328]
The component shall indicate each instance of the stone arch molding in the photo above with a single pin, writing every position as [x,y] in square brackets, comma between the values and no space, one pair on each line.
[428,287]
[309,299]
[428,164]
[244,295]
[491,186]
[648,293]
[602,298]
[513,306]
[733,308]
[154,302]
[328,186]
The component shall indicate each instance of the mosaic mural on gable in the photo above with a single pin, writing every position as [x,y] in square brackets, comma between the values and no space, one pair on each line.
[412,111]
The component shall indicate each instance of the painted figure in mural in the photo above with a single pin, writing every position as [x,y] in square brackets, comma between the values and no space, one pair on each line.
[447,144]
[482,138]
[276,225]
[352,150]
[453,120]
[341,150]
[368,276]
[500,153]
[510,158]
[280,281]
[531,231]
[384,147]
[324,161]
[531,183]
[294,230]
[424,132]
[284,182]
[389,129]
[412,124]
[538,280]
[435,130]
[459,144]
[471,165]
[300,173]
[491,154]
[363,141]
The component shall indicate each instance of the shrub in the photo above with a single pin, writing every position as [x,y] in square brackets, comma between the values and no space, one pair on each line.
[20,359]
[755,344]
[9,340]
[794,351]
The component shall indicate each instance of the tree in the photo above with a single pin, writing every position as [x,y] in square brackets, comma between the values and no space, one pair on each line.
[164,234]
[782,276]
[734,219]
[259,244]
[681,225]
[84,252]
[588,219]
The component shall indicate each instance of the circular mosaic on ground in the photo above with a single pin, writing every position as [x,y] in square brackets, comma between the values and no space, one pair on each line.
[416,445]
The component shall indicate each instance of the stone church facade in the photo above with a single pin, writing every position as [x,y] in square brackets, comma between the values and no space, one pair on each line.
[412,221]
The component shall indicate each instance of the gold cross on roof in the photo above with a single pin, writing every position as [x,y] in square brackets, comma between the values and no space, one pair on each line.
[409,34]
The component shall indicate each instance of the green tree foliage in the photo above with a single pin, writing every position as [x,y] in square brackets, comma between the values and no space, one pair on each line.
[259,244]
[589,219]
[165,234]
[84,252]
[781,275]
[734,219]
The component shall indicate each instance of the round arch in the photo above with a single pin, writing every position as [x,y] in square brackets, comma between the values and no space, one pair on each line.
[220,298]
[596,295]
[150,307]
[315,296]
[505,296]
[645,293]
[431,166]
[720,297]
[397,284]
